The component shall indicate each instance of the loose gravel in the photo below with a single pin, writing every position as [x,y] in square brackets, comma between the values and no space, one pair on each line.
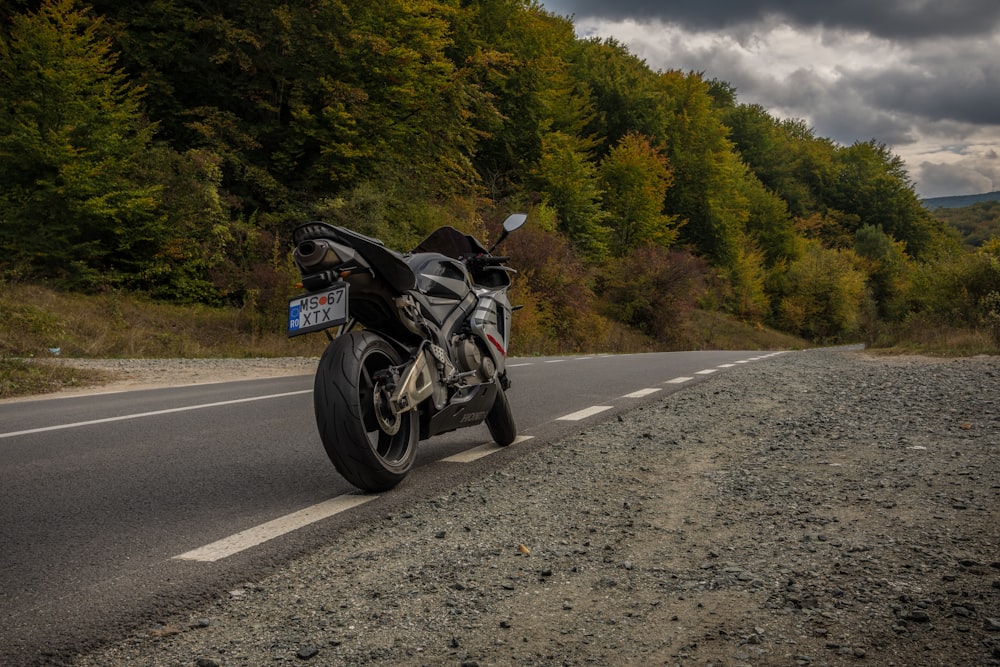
[817,508]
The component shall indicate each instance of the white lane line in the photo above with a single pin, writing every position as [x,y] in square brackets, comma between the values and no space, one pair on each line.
[470,455]
[251,537]
[154,413]
[555,361]
[642,392]
[586,412]
[527,363]
[707,371]
[725,365]
[679,380]
[743,361]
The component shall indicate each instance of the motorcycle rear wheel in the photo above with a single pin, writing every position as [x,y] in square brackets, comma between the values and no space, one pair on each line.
[345,397]
[500,420]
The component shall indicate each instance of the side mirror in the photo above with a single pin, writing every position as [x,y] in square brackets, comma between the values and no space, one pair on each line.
[513,221]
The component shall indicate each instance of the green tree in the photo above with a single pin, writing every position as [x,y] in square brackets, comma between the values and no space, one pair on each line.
[706,195]
[747,279]
[888,267]
[72,141]
[625,92]
[872,184]
[784,154]
[635,179]
[572,187]
[523,57]
[822,294]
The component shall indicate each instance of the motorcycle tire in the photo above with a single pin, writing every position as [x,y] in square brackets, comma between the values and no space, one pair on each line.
[344,398]
[500,421]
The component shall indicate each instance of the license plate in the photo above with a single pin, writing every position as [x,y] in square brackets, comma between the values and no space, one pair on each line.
[317,311]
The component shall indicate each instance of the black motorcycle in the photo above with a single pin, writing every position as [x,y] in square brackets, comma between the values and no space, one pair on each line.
[428,357]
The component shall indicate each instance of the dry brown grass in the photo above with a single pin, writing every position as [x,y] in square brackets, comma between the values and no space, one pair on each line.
[25,377]
[920,336]
[34,319]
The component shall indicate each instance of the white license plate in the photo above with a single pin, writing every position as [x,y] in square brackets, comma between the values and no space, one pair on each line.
[317,311]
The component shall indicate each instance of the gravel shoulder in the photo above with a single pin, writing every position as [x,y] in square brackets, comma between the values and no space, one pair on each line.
[820,508]
[132,374]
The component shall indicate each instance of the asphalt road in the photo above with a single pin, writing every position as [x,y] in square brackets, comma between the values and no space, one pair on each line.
[119,509]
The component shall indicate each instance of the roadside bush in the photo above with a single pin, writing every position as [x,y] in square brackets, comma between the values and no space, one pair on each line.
[956,286]
[654,290]
[557,286]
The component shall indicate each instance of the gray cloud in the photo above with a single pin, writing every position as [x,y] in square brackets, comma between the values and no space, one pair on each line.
[886,18]
[966,177]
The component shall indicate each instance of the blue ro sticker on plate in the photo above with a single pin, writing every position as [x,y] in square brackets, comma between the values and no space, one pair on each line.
[314,312]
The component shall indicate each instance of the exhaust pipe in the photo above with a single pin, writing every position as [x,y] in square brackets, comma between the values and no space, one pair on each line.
[316,255]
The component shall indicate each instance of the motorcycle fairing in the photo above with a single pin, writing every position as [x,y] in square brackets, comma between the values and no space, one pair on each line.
[450,242]
[439,275]
[469,406]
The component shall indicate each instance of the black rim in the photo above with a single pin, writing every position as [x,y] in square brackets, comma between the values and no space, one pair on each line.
[390,449]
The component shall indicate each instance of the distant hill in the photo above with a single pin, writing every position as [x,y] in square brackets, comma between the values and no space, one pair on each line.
[977,223]
[960,200]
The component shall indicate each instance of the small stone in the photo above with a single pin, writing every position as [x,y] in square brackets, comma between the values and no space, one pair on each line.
[918,616]
[306,652]
[206,662]
[991,625]
[440,535]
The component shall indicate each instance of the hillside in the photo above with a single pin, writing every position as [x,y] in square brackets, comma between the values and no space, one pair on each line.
[959,201]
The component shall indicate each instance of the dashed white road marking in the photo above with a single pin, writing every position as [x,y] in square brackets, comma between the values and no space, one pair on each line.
[586,412]
[479,452]
[554,361]
[59,427]
[707,371]
[679,380]
[725,365]
[642,392]
[527,363]
[251,537]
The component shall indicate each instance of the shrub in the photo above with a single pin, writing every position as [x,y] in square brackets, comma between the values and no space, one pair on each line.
[654,290]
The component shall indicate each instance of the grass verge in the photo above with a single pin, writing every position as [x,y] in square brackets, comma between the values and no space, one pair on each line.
[25,377]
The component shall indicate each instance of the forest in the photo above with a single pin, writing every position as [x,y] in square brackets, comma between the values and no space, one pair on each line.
[168,147]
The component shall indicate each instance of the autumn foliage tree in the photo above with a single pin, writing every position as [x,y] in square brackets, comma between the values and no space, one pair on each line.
[636,177]
[72,141]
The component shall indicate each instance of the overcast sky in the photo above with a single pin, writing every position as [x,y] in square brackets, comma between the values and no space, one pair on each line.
[922,76]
